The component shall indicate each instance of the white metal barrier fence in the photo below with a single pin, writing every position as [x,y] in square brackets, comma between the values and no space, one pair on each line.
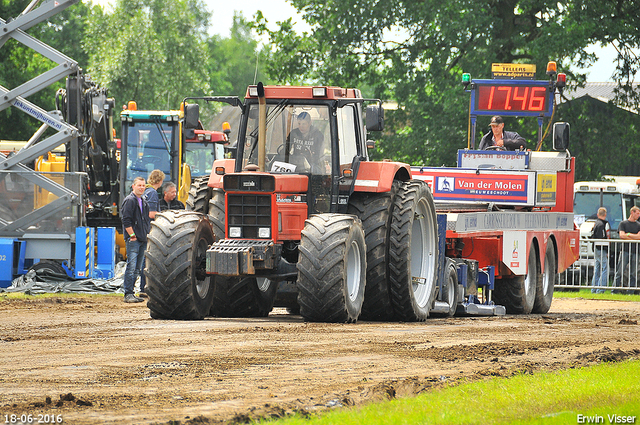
[610,264]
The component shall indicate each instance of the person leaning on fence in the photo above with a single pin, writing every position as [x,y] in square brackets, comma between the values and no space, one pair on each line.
[629,230]
[600,230]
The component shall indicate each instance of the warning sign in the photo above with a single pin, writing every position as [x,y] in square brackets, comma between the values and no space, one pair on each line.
[513,71]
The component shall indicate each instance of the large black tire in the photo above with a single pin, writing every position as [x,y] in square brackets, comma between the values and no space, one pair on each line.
[177,284]
[243,297]
[199,196]
[374,210]
[518,293]
[217,212]
[413,252]
[546,281]
[332,268]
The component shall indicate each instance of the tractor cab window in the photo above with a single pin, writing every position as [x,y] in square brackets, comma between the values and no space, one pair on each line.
[347,140]
[298,139]
[148,147]
[200,156]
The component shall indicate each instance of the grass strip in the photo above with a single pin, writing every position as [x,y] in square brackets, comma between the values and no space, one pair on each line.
[587,294]
[559,397]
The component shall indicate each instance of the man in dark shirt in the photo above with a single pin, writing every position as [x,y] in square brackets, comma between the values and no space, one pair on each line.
[169,201]
[306,139]
[628,230]
[600,231]
[499,139]
[136,224]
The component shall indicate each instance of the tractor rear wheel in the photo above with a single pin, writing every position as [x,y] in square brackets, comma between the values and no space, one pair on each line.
[216,213]
[413,252]
[518,293]
[199,195]
[177,283]
[375,212]
[546,282]
[243,296]
[331,268]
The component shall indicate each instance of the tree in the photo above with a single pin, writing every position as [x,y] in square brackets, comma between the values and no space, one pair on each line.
[414,52]
[153,52]
[235,62]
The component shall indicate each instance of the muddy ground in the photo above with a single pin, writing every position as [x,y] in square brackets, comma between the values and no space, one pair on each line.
[96,360]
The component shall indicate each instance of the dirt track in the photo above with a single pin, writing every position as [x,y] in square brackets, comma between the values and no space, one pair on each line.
[114,364]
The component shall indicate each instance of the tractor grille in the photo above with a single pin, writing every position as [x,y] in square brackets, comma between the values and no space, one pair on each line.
[249,212]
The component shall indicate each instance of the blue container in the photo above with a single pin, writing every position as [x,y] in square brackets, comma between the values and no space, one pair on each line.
[11,260]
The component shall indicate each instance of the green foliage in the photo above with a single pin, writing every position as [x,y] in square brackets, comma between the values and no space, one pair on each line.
[546,397]
[235,62]
[150,51]
[597,127]
[414,53]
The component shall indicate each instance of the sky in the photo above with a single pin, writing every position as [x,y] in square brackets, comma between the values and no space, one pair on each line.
[280,10]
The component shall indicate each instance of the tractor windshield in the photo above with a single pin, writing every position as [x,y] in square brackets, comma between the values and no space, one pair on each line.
[298,139]
[148,147]
[200,156]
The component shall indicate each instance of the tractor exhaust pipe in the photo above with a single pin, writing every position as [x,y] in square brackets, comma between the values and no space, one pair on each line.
[262,129]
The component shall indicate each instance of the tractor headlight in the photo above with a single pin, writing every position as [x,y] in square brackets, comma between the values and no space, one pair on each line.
[264,232]
[235,232]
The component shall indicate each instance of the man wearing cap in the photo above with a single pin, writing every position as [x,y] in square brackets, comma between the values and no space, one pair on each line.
[502,140]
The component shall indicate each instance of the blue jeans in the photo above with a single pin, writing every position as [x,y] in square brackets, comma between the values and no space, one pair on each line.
[628,256]
[601,269]
[135,265]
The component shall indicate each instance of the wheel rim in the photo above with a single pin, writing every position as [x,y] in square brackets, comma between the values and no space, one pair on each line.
[451,293]
[200,275]
[548,273]
[531,277]
[353,270]
[263,284]
[422,254]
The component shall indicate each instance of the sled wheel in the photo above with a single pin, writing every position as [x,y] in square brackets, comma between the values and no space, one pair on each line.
[518,293]
[547,281]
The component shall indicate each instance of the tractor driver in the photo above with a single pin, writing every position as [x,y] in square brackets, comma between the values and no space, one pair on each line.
[306,140]
[499,139]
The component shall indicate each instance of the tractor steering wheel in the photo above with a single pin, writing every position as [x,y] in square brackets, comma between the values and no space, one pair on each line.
[495,148]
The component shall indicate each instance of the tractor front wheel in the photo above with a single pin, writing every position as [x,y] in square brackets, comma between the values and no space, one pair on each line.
[177,283]
[332,268]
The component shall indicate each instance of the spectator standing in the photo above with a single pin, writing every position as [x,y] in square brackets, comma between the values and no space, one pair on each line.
[601,230]
[156,178]
[136,225]
[629,230]
[169,201]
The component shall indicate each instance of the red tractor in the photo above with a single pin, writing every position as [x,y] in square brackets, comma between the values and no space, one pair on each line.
[301,218]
